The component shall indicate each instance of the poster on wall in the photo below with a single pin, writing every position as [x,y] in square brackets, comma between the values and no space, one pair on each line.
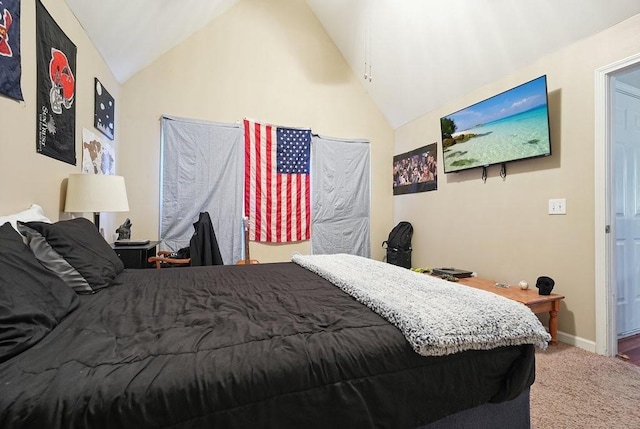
[103,117]
[56,88]
[416,171]
[10,68]
[97,156]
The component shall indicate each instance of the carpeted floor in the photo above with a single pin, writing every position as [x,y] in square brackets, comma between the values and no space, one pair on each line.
[578,389]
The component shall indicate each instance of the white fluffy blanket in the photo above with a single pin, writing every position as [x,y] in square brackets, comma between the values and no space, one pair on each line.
[436,316]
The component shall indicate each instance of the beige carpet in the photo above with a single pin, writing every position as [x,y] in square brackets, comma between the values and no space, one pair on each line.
[578,389]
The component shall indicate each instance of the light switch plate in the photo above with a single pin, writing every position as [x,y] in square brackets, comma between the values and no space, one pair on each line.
[558,206]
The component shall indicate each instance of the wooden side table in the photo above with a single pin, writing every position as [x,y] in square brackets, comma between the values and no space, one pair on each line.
[136,256]
[529,297]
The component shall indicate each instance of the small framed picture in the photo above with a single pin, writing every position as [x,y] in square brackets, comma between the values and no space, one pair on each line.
[104,118]
[416,171]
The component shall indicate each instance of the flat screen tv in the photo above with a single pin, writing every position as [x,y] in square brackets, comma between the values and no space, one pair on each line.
[509,126]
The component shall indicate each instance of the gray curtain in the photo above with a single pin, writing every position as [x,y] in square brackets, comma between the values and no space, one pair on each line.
[201,170]
[340,196]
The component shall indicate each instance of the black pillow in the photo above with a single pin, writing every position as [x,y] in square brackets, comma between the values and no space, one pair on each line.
[80,244]
[33,300]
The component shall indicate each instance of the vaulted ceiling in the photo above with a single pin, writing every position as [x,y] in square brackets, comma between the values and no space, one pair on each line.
[419,53]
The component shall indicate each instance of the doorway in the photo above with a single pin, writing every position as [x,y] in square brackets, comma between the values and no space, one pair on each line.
[617,183]
[625,148]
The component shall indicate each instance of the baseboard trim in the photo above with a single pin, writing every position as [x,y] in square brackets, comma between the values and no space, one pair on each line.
[582,343]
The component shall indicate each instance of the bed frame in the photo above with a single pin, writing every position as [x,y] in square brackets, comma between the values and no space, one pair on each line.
[509,414]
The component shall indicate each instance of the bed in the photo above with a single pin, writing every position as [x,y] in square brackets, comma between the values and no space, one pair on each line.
[266,345]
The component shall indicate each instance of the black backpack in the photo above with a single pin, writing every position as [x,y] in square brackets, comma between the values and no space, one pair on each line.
[399,245]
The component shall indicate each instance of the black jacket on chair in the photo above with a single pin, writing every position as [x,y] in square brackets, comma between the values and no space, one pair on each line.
[204,245]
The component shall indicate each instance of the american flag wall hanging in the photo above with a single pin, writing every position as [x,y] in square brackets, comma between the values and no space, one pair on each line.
[277,188]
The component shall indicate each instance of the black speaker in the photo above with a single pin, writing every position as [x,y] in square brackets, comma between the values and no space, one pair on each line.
[545,285]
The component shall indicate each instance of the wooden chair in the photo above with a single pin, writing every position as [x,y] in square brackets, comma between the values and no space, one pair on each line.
[163,257]
[203,248]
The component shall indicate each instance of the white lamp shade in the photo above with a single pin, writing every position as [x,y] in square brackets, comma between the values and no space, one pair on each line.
[96,193]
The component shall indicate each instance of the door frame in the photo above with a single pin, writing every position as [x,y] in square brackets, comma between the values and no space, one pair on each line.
[605,291]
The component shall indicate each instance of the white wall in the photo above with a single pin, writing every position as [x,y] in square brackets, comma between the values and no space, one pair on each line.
[27,177]
[248,63]
[501,228]
[270,61]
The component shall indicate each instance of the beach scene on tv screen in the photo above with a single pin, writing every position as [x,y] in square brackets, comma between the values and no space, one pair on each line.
[509,126]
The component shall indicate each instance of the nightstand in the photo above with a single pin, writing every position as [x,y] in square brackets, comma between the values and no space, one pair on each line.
[532,299]
[136,256]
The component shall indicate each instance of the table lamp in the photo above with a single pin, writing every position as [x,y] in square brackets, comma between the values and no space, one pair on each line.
[96,193]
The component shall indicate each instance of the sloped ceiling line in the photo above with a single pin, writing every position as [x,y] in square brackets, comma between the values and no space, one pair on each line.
[424,53]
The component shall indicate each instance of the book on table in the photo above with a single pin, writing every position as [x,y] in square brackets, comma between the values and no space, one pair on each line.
[131,242]
[455,272]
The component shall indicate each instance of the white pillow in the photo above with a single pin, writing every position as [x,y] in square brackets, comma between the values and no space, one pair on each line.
[33,213]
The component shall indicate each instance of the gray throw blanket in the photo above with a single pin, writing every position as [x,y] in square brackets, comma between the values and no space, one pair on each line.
[437,317]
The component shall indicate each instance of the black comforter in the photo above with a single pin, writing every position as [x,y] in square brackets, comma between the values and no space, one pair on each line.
[269,345]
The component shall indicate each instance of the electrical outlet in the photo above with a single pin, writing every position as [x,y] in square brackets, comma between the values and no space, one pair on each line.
[557,206]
